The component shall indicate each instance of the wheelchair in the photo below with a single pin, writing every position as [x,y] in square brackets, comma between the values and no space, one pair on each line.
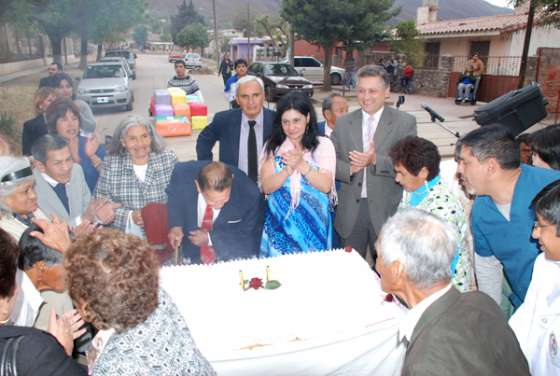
[470,92]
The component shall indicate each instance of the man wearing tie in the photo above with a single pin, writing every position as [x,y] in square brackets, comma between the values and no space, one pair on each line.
[215,212]
[61,187]
[241,132]
[368,194]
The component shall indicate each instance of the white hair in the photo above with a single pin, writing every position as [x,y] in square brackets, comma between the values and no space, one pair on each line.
[249,78]
[424,244]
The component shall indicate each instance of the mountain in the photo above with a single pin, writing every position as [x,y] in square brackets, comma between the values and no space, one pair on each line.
[227,9]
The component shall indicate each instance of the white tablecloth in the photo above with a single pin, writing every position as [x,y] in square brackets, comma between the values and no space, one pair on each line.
[356,337]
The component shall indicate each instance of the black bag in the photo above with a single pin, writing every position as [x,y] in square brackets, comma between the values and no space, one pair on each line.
[516,110]
[8,362]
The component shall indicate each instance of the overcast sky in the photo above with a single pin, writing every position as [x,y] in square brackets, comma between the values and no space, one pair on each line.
[501,3]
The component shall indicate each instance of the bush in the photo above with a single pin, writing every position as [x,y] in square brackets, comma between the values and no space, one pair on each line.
[8,128]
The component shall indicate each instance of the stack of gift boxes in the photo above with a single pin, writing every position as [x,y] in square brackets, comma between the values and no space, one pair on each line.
[177,113]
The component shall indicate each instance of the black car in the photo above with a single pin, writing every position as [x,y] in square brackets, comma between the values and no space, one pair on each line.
[279,79]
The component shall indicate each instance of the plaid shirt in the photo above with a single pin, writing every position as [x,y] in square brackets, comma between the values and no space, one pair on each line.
[119,183]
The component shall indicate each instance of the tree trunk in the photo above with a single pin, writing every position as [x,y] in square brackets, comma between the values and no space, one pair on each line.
[4,43]
[99,51]
[17,40]
[83,49]
[65,51]
[29,45]
[327,67]
[56,47]
[292,43]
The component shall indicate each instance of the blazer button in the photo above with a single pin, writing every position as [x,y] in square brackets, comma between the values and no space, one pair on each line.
[359,184]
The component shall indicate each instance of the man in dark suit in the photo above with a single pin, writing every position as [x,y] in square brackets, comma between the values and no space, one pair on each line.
[241,132]
[215,212]
[333,107]
[368,194]
[444,332]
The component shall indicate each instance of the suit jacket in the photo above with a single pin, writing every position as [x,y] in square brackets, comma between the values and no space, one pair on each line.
[463,334]
[39,353]
[77,191]
[32,130]
[226,128]
[321,127]
[384,194]
[236,231]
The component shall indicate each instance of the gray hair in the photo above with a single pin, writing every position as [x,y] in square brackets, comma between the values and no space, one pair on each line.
[424,244]
[249,78]
[374,71]
[10,168]
[327,102]
[46,143]
[116,147]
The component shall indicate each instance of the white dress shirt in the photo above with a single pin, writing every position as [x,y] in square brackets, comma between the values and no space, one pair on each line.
[406,328]
[536,323]
[243,161]
[368,131]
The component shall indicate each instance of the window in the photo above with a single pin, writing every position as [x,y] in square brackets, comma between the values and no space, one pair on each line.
[431,58]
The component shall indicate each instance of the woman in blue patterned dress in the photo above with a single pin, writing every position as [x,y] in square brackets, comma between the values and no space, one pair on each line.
[297,174]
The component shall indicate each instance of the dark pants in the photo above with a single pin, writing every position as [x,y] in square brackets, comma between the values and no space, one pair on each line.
[226,77]
[363,235]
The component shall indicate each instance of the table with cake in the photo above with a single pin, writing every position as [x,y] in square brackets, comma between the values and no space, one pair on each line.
[317,313]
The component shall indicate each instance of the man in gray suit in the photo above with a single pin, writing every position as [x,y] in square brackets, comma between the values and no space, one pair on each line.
[444,332]
[61,186]
[368,194]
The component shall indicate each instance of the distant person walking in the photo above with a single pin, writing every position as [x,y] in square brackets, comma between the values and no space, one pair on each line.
[226,67]
[408,73]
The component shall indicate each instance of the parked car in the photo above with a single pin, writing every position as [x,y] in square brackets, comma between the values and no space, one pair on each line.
[279,79]
[124,63]
[175,55]
[106,85]
[128,55]
[312,69]
[192,61]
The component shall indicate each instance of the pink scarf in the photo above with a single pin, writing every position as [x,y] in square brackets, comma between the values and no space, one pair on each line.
[322,159]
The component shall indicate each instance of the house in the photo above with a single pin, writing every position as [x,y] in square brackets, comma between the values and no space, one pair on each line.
[498,39]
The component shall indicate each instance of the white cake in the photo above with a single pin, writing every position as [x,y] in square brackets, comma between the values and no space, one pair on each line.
[324,296]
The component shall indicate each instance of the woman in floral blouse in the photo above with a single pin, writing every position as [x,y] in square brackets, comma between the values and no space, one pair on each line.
[416,162]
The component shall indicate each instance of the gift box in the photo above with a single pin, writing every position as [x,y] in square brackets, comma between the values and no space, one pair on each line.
[182,109]
[194,98]
[173,127]
[162,97]
[199,122]
[163,110]
[198,109]
[178,96]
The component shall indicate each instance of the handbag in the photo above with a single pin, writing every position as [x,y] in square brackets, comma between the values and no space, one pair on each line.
[8,362]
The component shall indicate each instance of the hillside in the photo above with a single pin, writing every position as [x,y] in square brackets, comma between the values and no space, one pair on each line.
[227,9]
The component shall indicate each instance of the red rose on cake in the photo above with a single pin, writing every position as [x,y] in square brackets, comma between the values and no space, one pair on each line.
[255,283]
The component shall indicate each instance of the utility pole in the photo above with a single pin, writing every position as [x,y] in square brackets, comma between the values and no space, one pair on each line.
[526,43]
[249,49]
[216,46]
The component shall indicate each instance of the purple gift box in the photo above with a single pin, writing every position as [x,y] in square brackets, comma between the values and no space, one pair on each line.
[164,110]
[162,97]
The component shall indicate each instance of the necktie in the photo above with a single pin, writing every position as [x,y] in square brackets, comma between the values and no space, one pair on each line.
[207,254]
[60,190]
[252,169]
[370,133]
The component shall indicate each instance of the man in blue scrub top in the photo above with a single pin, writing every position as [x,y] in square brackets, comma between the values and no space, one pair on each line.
[502,218]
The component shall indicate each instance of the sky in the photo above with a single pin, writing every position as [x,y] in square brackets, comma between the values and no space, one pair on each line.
[501,3]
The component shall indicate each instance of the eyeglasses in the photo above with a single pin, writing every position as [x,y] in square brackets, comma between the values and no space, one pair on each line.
[537,225]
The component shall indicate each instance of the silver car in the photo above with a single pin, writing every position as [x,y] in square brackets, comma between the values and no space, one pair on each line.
[313,70]
[121,60]
[106,85]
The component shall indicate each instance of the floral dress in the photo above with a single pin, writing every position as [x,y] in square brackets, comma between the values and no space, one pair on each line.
[436,198]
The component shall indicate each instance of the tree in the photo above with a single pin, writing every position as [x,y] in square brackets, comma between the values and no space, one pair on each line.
[192,36]
[277,29]
[326,22]
[405,42]
[186,15]
[550,10]
[140,36]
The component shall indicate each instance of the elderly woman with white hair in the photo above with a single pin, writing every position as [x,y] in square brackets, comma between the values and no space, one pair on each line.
[444,332]
[135,172]
[18,200]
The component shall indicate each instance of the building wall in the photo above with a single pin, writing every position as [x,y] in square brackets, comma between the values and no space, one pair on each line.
[541,36]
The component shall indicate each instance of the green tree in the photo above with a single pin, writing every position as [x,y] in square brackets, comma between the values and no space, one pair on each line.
[550,10]
[140,36]
[405,42]
[277,29]
[192,36]
[326,22]
[186,15]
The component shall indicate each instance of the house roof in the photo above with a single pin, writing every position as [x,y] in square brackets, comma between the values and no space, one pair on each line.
[496,24]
